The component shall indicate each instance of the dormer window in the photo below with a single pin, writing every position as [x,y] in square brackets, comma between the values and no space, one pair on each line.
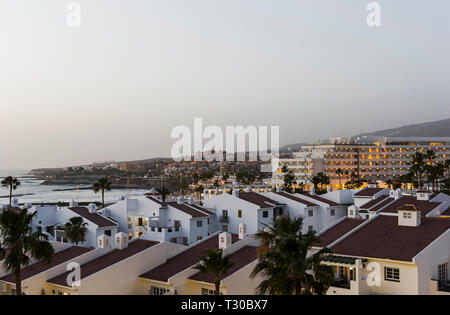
[407,215]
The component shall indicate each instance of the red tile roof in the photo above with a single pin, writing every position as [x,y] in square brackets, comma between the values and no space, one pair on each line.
[384,238]
[373,202]
[424,205]
[368,192]
[95,218]
[240,258]
[382,204]
[107,260]
[324,200]
[196,206]
[188,209]
[408,207]
[298,199]
[58,258]
[184,260]
[258,199]
[337,231]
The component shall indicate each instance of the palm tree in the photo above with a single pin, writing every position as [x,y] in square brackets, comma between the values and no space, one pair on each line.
[418,166]
[11,183]
[199,190]
[19,244]
[163,191]
[389,183]
[76,229]
[102,185]
[283,260]
[216,264]
[339,173]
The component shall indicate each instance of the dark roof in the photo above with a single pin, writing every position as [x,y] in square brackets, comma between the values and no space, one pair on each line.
[373,202]
[240,258]
[384,238]
[196,206]
[298,199]
[258,199]
[41,266]
[324,200]
[337,231]
[368,192]
[184,260]
[107,260]
[188,209]
[95,218]
[382,204]
[446,212]
[424,205]
[408,207]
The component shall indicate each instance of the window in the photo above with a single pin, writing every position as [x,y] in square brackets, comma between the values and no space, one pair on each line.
[158,291]
[265,214]
[310,213]
[174,240]
[108,232]
[224,228]
[177,225]
[185,241]
[392,274]
[199,238]
[406,215]
[443,275]
[332,212]
[239,213]
[199,223]
[310,228]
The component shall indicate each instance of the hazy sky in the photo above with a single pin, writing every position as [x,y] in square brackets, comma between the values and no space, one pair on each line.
[115,87]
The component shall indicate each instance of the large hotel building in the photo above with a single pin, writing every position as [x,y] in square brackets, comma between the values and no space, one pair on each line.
[374,158]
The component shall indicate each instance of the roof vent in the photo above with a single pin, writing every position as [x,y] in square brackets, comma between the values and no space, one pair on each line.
[329,189]
[180,200]
[278,189]
[236,193]
[28,205]
[248,189]
[190,200]
[312,191]
[92,208]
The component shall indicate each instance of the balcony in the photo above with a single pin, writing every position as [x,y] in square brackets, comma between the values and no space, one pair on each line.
[342,283]
[224,219]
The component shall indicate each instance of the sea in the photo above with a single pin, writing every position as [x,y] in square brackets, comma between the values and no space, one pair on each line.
[31,190]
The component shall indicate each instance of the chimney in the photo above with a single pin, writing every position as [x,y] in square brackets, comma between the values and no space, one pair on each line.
[190,200]
[423,195]
[372,185]
[278,189]
[248,189]
[121,240]
[397,193]
[312,191]
[92,208]
[72,203]
[180,200]
[242,230]
[409,215]
[15,202]
[224,240]
[104,241]
[236,193]
[329,189]
[28,205]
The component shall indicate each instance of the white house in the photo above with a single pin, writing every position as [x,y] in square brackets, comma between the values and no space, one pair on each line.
[398,249]
[50,221]
[253,209]
[149,218]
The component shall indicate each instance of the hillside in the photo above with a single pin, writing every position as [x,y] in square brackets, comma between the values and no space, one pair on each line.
[440,128]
